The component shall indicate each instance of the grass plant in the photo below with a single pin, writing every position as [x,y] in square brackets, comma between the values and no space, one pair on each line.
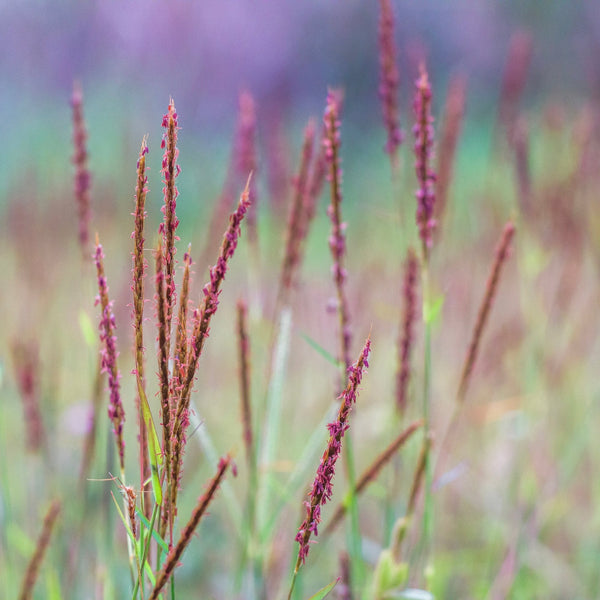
[439,493]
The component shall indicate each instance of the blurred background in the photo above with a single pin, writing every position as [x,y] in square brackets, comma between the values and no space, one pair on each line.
[523,509]
[131,57]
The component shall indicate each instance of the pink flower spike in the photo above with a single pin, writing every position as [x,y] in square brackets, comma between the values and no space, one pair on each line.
[426,177]
[322,487]
[109,355]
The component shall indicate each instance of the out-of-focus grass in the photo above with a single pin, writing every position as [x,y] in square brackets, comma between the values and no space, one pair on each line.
[523,459]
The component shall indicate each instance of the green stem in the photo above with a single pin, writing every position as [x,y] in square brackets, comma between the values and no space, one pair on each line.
[354,537]
[428,510]
[146,550]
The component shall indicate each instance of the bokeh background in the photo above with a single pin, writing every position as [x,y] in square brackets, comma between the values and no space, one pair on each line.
[522,511]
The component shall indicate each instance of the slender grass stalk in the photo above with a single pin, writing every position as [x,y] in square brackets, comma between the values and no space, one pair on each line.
[337,240]
[180,355]
[452,122]
[116,412]
[296,228]
[389,79]
[82,174]
[502,252]
[163,376]
[423,148]
[371,473]
[249,551]
[170,170]
[175,553]
[405,342]
[33,568]
[27,368]
[137,287]
[337,245]
[322,488]
[514,79]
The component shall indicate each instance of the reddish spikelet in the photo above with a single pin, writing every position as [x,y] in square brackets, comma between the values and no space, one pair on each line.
[27,368]
[322,487]
[337,240]
[186,535]
[137,287]
[452,123]
[163,352]
[296,228]
[244,357]
[418,476]
[423,131]
[202,317]
[389,79]
[374,469]
[405,342]
[43,541]
[181,340]
[130,497]
[109,355]
[82,174]
[515,77]
[502,252]
[246,155]
[170,170]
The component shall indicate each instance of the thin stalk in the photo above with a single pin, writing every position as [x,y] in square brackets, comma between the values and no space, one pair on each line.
[428,510]
[146,550]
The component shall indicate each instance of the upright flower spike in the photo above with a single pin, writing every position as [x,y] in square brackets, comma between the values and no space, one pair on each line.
[297,216]
[389,79]
[423,131]
[453,116]
[405,344]
[337,239]
[33,568]
[322,487]
[82,174]
[170,170]
[137,288]
[502,252]
[518,59]
[27,371]
[109,354]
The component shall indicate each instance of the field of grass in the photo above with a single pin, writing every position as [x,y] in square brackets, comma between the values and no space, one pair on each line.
[482,366]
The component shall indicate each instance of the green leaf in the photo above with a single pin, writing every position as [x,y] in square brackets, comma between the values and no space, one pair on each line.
[324,353]
[87,329]
[153,443]
[432,309]
[324,591]
[159,540]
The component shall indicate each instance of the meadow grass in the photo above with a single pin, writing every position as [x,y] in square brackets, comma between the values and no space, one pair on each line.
[184,462]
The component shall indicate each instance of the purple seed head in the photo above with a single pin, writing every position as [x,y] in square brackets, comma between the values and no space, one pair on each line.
[389,78]
[322,488]
[109,355]
[423,131]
